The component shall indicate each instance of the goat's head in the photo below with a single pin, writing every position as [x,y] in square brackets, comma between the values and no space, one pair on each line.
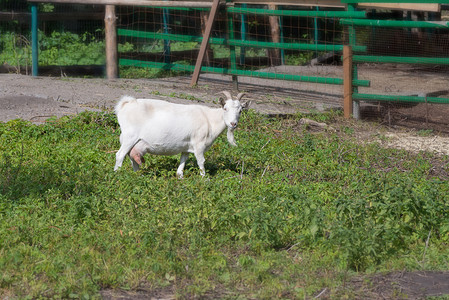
[232,110]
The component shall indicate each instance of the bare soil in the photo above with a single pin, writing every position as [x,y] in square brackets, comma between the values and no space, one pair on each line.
[39,98]
[31,97]
[395,285]
[402,285]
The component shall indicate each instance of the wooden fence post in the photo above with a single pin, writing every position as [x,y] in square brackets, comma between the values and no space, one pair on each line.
[110,22]
[274,54]
[347,81]
[352,42]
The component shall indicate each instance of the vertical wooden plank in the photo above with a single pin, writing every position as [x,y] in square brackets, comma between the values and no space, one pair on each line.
[281,24]
[243,35]
[347,81]
[352,42]
[275,54]
[110,22]
[205,42]
[233,53]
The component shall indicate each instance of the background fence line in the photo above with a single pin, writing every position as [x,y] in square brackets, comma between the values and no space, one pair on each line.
[255,42]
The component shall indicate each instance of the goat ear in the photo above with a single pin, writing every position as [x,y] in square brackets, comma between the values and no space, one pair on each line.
[222,101]
[246,104]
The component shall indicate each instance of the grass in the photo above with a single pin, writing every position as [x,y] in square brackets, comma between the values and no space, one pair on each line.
[286,214]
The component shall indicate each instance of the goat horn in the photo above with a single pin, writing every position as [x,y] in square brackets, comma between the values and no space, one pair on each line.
[240,95]
[227,94]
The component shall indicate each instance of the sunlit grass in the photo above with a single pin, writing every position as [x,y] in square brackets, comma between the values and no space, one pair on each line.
[286,214]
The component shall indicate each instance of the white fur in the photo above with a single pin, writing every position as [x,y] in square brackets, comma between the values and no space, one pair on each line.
[164,128]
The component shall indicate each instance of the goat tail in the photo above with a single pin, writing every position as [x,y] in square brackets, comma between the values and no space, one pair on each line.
[123,101]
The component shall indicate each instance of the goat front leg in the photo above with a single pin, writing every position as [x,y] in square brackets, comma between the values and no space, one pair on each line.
[182,163]
[199,154]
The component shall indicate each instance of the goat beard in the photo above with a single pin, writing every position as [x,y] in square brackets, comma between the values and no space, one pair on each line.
[231,138]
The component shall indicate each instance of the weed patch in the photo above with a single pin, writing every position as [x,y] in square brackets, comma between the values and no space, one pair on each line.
[286,214]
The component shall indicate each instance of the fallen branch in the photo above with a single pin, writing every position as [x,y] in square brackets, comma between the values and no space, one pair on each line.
[315,124]
[44,116]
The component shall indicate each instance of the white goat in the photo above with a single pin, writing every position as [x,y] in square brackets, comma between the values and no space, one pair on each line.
[163,128]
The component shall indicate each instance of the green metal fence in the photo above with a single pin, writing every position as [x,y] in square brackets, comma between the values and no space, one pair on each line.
[242,46]
[443,25]
[243,43]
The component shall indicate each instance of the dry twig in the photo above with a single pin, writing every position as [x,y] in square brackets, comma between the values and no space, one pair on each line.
[315,124]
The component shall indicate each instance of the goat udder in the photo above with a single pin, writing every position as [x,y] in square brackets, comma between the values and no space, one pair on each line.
[136,156]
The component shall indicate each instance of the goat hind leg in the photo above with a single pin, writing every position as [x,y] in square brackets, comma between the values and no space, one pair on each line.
[127,145]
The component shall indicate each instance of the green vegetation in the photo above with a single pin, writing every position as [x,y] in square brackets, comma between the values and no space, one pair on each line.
[298,59]
[16,49]
[59,48]
[150,73]
[66,48]
[284,215]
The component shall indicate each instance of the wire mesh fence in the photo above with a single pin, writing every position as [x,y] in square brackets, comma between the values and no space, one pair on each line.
[408,70]
[290,54]
[69,35]
[15,38]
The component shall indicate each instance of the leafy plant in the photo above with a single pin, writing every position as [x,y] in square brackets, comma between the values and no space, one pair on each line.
[16,50]
[286,214]
[298,59]
[66,48]
[60,48]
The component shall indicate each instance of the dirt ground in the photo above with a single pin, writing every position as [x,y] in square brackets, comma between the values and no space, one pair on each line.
[402,285]
[39,98]
[397,285]
[35,98]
